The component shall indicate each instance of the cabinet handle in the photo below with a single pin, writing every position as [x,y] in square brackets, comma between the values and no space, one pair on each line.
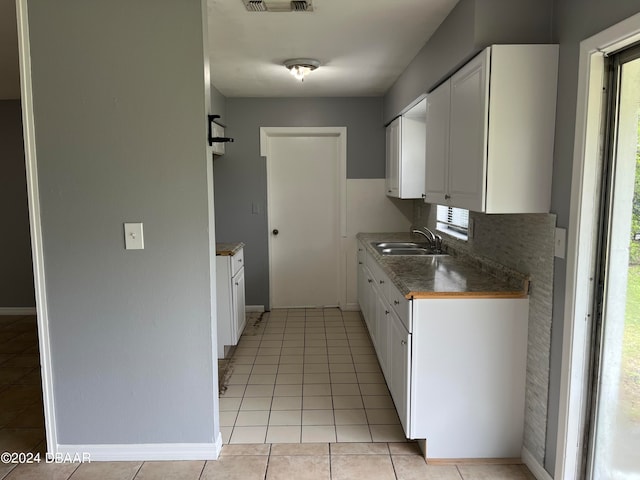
[386,312]
[396,302]
[240,260]
[359,249]
[237,283]
[403,342]
[369,280]
[424,195]
[359,263]
[388,191]
[447,197]
[381,282]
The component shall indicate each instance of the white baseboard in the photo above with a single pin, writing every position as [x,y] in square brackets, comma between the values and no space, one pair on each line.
[17,311]
[351,307]
[538,470]
[254,308]
[218,445]
[145,452]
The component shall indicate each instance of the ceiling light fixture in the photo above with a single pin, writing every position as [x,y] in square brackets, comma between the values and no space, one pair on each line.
[300,67]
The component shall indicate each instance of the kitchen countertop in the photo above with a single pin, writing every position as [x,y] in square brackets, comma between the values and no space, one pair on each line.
[228,249]
[447,276]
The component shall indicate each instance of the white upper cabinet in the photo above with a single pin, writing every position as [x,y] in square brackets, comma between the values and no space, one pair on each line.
[437,148]
[406,153]
[490,144]
[394,152]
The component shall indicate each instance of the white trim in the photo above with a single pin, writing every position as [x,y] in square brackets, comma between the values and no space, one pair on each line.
[341,134]
[532,464]
[146,451]
[17,311]
[351,307]
[28,127]
[254,308]
[581,241]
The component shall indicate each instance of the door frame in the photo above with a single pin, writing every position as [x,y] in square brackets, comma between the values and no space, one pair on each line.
[582,241]
[35,224]
[266,133]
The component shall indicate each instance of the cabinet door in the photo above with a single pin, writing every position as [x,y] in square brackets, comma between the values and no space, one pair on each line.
[437,148]
[393,158]
[468,134]
[239,314]
[399,354]
[362,289]
[382,320]
[372,302]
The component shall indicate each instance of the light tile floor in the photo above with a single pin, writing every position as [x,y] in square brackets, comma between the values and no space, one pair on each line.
[302,380]
[307,376]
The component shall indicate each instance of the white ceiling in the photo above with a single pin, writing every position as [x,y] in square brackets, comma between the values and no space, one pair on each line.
[363,46]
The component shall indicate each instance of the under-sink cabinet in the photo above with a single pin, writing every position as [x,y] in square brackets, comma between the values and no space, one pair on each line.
[490,132]
[230,298]
[455,367]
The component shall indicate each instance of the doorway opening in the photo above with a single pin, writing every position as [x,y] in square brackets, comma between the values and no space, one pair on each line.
[306,188]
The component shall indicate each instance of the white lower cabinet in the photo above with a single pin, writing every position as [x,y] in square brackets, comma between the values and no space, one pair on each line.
[230,299]
[398,364]
[455,367]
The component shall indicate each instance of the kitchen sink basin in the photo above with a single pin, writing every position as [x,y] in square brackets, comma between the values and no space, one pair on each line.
[401,245]
[404,248]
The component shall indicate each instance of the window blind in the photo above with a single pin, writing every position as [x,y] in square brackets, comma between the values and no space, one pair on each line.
[452,218]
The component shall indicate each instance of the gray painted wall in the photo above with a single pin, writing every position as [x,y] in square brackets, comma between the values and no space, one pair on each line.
[241,176]
[120,105]
[16,279]
[471,26]
[218,104]
[573,21]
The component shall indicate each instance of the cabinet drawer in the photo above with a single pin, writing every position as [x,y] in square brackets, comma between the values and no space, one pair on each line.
[400,305]
[361,254]
[237,262]
[379,277]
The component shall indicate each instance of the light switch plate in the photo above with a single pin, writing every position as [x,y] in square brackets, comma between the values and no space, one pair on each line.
[560,242]
[133,236]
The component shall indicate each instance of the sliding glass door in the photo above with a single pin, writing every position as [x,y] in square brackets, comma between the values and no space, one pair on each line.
[614,442]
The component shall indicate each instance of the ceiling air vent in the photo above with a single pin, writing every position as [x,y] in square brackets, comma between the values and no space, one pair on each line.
[301,6]
[255,5]
[278,5]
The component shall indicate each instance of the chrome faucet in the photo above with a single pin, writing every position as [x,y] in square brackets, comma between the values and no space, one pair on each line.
[434,240]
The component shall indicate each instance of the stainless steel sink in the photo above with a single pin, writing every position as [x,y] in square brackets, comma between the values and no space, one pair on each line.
[401,245]
[404,248]
[405,251]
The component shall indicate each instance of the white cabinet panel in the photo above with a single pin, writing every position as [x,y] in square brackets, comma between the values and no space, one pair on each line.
[230,299]
[398,364]
[497,136]
[393,158]
[437,144]
[469,374]
[239,315]
[468,138]
[405,159]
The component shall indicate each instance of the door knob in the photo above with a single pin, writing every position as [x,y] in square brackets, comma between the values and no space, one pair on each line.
[275,231]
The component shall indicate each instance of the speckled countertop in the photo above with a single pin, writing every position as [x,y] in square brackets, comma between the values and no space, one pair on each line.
[446,276]
[228,249]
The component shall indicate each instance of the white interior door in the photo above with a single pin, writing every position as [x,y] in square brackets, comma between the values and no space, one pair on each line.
[303,190]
